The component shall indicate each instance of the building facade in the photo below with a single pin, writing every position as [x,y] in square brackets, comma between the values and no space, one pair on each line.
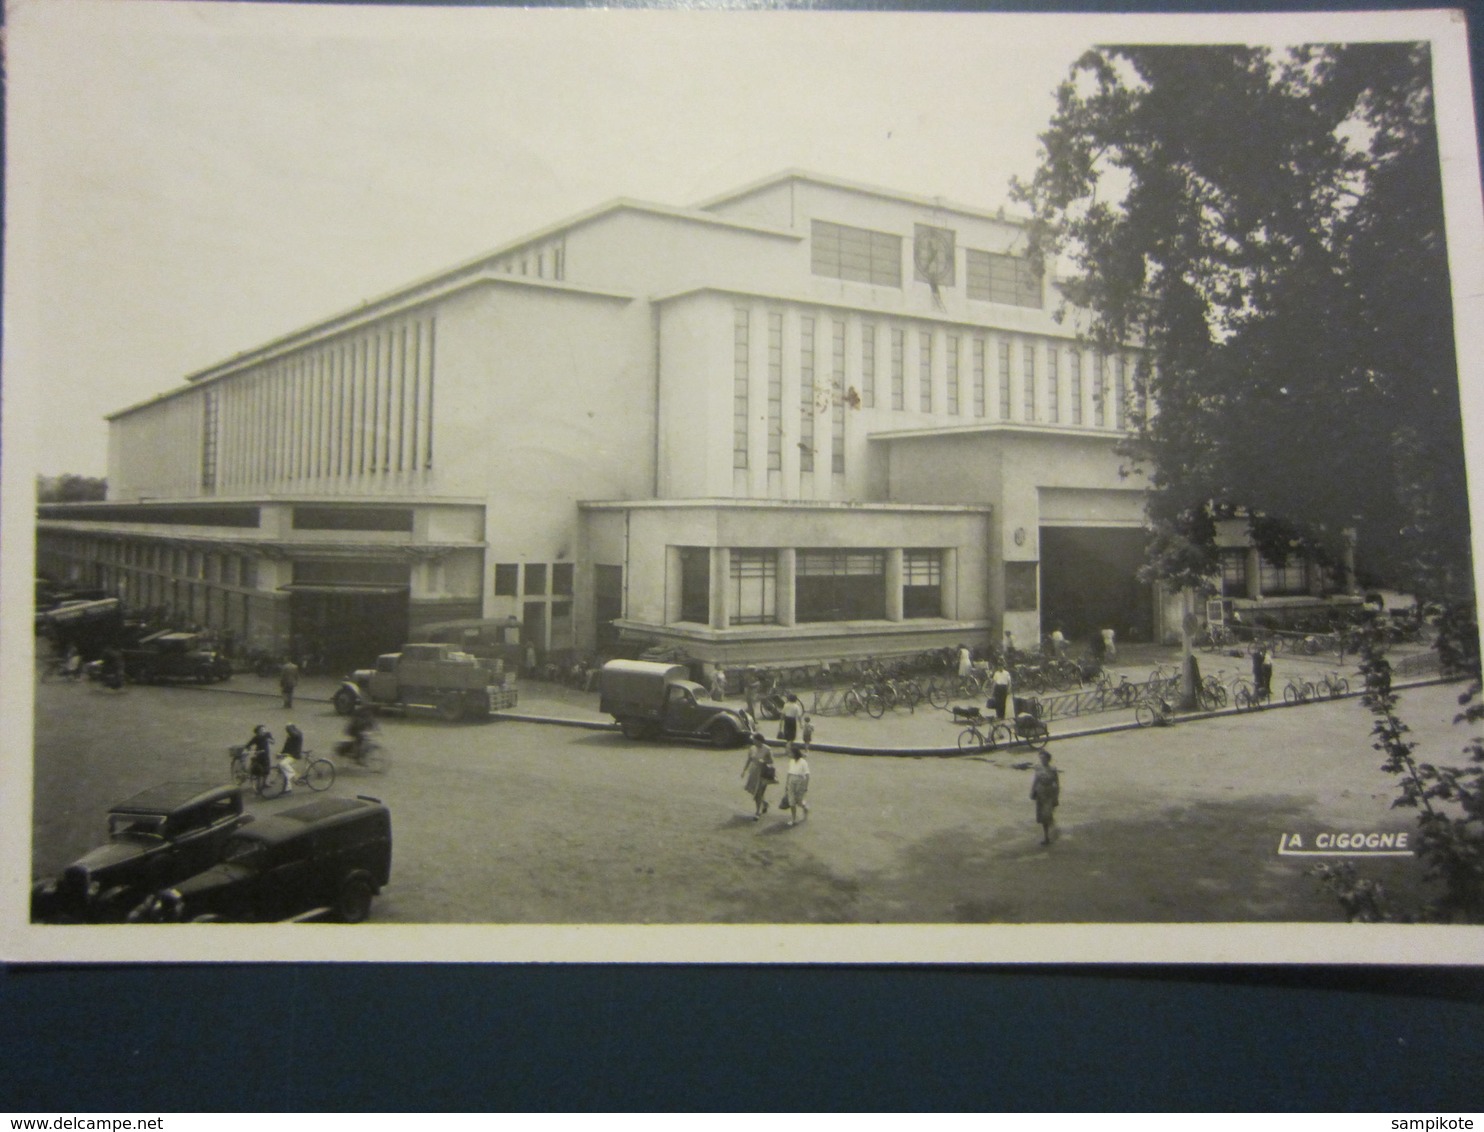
[802,420]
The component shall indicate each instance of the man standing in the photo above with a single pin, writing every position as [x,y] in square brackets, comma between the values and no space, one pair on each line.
[288,680]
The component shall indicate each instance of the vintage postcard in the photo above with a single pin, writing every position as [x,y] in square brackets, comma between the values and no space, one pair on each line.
[572,485]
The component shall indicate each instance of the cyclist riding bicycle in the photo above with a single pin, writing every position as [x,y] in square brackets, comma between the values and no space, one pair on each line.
[260,748]
[358,730]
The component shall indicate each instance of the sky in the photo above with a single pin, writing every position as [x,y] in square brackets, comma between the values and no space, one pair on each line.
[188,180]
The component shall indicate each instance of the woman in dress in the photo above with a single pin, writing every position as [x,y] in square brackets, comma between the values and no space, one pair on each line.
[1046,793]
[758,774]
[797,784]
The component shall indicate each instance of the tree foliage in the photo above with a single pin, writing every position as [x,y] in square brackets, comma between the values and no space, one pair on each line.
[1269,229]
[70,488]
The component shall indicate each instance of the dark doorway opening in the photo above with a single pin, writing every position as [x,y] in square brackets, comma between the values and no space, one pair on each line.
[343,631]
[1089,582]
[608,606]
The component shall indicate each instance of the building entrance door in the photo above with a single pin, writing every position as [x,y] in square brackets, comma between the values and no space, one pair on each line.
[1089,582]
[607,606]
[533,627]
[344,630]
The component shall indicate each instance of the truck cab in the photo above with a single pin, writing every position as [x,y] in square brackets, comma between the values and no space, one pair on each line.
[650,699]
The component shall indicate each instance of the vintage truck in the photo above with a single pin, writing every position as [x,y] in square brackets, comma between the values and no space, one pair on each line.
[650,699]
[430,677]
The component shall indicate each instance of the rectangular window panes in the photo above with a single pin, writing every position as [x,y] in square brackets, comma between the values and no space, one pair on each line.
[925,371]
[1003,348]
[898,361]
[837,400]
[868,365]
[950,363]
[561,579]
[754,596]
[739,388]
[806,394]
[1290,578]
[979,377]
[856,254]
[535,578]
[1074,385]
[1119,392]
[922,583]
[1234,573]
[507,579]
[1028,375]
[1001,279]
[1020,587]
[775,392]
[840,585]
[695,584]
[210,410]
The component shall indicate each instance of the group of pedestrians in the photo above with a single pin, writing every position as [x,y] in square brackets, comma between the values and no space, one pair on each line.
[759,772]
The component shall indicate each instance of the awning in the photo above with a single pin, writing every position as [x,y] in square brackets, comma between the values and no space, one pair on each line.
[340,588]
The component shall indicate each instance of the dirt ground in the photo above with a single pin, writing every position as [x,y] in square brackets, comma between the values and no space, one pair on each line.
[526,823]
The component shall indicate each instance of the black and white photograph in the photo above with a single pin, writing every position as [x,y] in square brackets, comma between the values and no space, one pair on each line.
[739,486]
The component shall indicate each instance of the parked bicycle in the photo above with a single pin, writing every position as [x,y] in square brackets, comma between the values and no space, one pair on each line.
[1298,691]
[1332,686]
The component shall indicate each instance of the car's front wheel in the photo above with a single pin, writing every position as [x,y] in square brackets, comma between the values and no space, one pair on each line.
[344,701]
[353,901]
[723,735]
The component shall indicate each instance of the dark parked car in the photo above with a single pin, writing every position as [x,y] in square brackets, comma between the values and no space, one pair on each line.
[650,699]
[155,838]
[175,656]
[329,857]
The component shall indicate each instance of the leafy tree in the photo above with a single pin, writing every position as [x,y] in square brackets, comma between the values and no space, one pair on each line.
[70,488]
[1268,228]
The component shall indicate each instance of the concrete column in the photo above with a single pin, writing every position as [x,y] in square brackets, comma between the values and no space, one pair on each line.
[788,560]
[673,580]
[1347,562]
[721,578]
[1254,573]
[950,583]
[894,584]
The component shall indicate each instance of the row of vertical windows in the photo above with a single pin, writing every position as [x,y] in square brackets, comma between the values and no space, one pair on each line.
[508,579]
[361,407]
[829,585]
[863,255]
[537,261]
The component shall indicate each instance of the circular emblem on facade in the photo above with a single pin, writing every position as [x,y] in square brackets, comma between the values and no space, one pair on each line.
[1019,536]
[933,254]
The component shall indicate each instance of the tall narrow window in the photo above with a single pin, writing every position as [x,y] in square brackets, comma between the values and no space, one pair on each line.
[837,399]
[754,587]
[1003,347]
[1053,381]
[806,394]
[1119,392]
[695,584]
[210,410]
[922,583]
[1100,393]
[868,365]
[898,381]
[775,391]
[739,388]
[1074,385]
[950,362]
[925,371]
[979,377]
[1028,375]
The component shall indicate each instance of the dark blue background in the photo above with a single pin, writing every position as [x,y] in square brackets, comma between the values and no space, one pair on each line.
[382,1036]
